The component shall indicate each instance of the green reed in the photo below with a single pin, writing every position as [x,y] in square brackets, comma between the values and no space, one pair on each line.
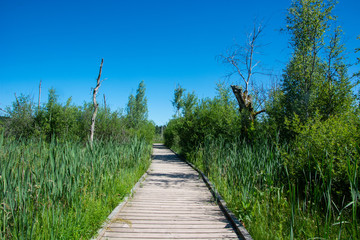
[64,190]
[255,183]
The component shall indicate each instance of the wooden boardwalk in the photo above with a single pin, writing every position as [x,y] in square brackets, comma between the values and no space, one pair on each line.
[172,203]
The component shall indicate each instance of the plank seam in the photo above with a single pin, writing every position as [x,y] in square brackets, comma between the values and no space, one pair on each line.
[238,226]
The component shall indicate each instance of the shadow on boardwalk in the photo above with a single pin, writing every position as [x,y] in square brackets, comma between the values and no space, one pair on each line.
[172,203]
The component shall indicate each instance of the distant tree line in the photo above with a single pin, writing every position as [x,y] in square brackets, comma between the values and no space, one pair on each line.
[55,120]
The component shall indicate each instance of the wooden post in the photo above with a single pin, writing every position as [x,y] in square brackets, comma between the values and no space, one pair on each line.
[96,105]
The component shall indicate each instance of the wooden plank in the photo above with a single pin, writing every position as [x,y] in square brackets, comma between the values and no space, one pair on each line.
[169,235]
[173,211]
[170,214]
[167,222]
[171,230]
[172,202]
[171,218]
[166,225]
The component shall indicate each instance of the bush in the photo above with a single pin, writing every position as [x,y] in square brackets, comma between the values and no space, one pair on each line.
[145,130]
[21,118]
[216,117]
[321,153]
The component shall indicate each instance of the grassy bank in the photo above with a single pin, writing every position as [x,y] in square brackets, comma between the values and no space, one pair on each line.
[64,190]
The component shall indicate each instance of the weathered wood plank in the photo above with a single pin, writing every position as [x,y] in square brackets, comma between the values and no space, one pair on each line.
[172,202]
[166,225]
[167,222]
[169,235]
[173,230]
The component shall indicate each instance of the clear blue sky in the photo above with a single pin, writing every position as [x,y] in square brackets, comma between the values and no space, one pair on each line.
[161,42]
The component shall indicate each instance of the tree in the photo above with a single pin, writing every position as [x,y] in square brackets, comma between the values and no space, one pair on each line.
[21,120]
[57,120]
[358,50]
[50,118]
[130,110]
[183,103]
[141,102]
[358,73]
[188,103]
[335,93]
[307,22]
[177,102]
[137,112]
[242,61]
[96,105]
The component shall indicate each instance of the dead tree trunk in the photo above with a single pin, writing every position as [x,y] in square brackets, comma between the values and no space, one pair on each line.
[96,105]
[39,95]
[104,102]
[244,100]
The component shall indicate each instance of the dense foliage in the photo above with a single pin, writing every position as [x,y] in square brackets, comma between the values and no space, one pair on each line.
[70,122]
[294,171]
[53,185]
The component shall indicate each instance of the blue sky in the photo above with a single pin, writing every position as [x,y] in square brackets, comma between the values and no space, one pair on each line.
[161,42]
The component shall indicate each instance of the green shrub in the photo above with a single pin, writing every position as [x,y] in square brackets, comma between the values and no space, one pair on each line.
[321,152]
[145,130]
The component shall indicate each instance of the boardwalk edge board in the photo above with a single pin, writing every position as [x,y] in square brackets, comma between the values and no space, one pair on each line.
[125,200]
[239,228]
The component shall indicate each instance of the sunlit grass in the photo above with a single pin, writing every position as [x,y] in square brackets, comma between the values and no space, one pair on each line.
[254,182]
[64,190]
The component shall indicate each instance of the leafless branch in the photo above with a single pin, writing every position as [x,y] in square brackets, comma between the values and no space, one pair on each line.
[96,105]
[242,61]
[4,111]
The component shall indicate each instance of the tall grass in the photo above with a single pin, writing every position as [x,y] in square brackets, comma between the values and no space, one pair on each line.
[255,182]
[64,190]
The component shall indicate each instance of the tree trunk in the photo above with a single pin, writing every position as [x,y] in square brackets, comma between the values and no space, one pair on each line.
[104,102]
[96,105]
[245,101]
[39,95]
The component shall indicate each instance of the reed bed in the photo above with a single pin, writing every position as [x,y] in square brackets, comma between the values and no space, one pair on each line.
[255,183]
[64,190]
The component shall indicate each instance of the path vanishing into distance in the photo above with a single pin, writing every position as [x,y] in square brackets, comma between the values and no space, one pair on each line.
[173,202]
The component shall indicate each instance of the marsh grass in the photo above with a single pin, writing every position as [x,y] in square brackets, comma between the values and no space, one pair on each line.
[256,184]
[64,190]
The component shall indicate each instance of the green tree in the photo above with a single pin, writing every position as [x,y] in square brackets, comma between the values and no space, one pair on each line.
[307,22]
[137,112]
[358,73]
[217,117]
[57,120]
[130,111]
[188,103]
[358,50]
[334,95]
[178,99]
[21,119]
[316,77]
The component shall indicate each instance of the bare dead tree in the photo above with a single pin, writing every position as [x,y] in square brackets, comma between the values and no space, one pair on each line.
[96,105]
[241,59]
[104,102]
[39,95]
